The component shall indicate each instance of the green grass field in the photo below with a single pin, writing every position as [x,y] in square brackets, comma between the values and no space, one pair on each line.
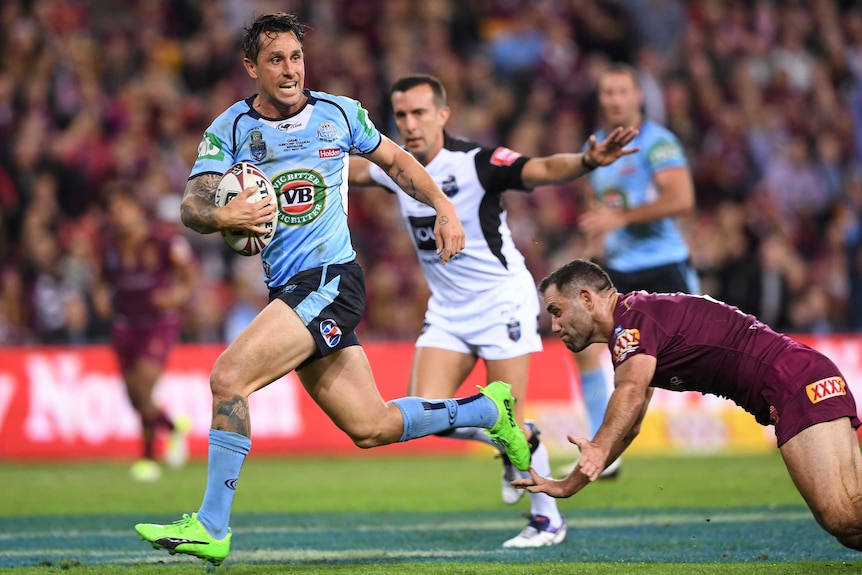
[386,515]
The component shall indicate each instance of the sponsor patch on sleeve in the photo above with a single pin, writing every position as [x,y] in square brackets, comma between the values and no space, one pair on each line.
[826,388]
[210,147]
[664,151]
[504,156]
[628,340]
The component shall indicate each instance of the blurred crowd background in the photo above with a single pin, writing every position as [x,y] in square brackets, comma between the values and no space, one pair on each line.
[765,95]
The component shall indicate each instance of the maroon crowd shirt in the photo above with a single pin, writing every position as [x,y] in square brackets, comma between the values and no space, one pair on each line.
[137,279]
[704,345]
[142,330]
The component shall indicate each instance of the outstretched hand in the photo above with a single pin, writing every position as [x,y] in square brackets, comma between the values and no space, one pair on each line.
[593,457]
[612,147]
[538,484]
[587,470]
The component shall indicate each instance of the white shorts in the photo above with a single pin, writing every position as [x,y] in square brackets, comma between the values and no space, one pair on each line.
[498,324]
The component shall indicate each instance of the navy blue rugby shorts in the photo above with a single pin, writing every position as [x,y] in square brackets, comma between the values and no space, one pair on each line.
[330,300]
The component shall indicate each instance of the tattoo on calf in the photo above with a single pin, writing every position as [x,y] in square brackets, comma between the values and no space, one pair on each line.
[232,415]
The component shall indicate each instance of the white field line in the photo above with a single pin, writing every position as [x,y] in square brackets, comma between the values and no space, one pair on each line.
[573,523]
[149,555]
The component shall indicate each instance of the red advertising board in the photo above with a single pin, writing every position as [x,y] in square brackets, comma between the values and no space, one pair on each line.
[70,403]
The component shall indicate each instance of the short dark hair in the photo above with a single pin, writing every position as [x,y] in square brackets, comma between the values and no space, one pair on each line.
[270,25]
[414,80]
[575,275]
[621,68]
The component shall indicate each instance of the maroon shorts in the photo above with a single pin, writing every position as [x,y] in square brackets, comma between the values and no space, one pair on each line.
[151,342]
[819,393]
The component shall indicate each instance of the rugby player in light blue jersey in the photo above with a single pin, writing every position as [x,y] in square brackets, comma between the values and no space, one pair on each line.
[629,219]
[301,139]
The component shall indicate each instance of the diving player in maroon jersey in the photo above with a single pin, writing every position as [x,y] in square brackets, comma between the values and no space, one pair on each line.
[150,273]
[693,343]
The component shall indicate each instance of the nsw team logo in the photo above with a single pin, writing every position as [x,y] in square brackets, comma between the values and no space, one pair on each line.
[301,196]
[331,332]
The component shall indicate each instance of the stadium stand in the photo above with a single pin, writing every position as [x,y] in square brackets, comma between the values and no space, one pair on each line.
[766,97]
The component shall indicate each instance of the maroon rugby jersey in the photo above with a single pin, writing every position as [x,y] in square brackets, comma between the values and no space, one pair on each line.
[701,344]
[137,279]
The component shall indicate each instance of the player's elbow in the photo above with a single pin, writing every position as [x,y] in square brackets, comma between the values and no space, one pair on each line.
[687,205]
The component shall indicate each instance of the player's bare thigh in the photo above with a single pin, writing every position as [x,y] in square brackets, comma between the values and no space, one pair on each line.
[343,386]
[275,343]
[825,464]
[437,373]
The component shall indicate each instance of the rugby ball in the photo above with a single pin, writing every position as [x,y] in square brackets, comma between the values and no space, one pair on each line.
[237,178]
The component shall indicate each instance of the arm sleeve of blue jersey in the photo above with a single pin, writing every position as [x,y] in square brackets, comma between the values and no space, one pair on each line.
[664,152]
[364,135]
[215,153]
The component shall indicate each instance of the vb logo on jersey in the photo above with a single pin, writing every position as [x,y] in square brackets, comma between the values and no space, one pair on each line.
[301,196]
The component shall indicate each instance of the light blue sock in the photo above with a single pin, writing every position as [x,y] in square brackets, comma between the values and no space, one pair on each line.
[594,387]
[423,417]
[226,455]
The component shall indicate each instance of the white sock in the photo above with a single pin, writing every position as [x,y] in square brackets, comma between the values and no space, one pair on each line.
[542,503]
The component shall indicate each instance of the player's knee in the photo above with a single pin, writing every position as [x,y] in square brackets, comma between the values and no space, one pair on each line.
[224,379]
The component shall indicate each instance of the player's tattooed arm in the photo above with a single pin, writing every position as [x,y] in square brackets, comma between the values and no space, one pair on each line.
[232,415]
[399,176]
[197,211]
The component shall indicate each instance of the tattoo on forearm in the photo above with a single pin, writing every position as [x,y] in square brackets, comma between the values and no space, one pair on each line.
[405,183]
[232,415]
[198,208]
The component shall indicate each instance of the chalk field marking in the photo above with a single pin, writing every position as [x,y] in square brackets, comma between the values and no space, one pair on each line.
[686,517]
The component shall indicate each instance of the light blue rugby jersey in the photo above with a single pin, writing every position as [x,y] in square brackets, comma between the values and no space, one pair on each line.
[627,183]
[305,157]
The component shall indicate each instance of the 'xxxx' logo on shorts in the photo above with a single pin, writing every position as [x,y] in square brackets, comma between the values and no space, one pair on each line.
[826,388]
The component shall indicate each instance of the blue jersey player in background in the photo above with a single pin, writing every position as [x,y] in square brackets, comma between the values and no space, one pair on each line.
[301,139]
[629,220]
